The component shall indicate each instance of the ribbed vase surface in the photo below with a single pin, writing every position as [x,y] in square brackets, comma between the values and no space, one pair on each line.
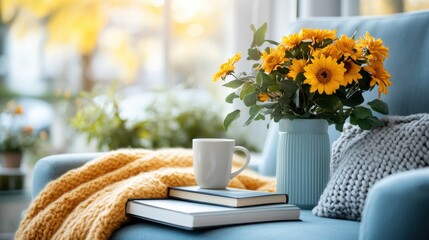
[303,155]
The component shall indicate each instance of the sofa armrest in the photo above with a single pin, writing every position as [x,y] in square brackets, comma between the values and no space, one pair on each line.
[51,167]
[397,207]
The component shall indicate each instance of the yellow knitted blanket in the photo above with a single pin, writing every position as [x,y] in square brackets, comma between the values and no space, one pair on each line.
[89,202]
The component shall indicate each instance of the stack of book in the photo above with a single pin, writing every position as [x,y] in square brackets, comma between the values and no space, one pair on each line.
[192,207]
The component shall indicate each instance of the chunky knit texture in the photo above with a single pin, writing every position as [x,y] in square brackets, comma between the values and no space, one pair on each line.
[89,202]
[361,158]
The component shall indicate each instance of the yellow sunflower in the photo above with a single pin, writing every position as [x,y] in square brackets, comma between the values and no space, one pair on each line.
[326,51]
[324,75]
[274,59]
[344,46]
[296,68]
[373,48]
[317,35]
[352,72]
[379,76]
[227,67]
[291,41]
[263,97]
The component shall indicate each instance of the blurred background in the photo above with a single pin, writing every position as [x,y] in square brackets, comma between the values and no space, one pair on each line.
[96,75]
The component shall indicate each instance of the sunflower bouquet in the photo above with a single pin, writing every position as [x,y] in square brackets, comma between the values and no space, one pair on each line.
[313,74]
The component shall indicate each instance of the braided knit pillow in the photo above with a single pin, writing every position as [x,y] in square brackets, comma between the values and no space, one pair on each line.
[361,158]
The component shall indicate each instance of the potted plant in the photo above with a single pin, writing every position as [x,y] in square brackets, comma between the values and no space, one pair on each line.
[14,140]
[308,80]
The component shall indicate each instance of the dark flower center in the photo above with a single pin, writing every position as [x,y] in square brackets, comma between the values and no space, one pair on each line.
[323,76]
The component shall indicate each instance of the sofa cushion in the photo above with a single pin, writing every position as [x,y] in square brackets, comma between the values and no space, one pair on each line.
[361,158]
[311,227]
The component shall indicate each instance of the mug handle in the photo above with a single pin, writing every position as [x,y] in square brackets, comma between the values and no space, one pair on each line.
[247,153]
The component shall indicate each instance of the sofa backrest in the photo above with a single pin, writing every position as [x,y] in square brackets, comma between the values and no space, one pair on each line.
[407,37]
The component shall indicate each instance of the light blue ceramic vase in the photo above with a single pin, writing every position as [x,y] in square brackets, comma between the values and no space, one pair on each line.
[303,155]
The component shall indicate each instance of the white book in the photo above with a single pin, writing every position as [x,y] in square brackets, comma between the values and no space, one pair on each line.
[192,215]
[231,197]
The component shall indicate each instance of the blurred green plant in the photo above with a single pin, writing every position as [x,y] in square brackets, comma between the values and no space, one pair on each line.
[168,119]
[172,123]
[101,121]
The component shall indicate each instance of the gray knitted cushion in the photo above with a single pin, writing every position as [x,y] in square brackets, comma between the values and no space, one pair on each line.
[361,158]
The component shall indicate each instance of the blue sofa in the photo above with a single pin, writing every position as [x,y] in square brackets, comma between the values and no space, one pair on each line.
[397,207]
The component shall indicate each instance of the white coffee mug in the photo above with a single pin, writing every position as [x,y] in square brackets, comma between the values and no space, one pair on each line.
[213,161]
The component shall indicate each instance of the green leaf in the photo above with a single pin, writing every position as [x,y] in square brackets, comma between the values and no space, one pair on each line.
[253,112]
[265,79]
[250,99]
[253,28]
[289,54]
[365,124]
[259,36]
[253,54]
[354,100]
[325,43]
[272,42]
[231,97]
[361,113]
[376,122]
[379,106]
[328,102]
[289,88]
[366,79]
[259,78]
[353,120]
[246,89]
[273,88]
[300,78]
[283,70]
[260,117]
[249,120]
[230,118]
[332,117]
[339,127]
[234,83]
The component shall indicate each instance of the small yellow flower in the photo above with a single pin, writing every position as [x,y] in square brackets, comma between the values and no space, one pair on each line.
[296,68]
[352,72]
[263,97]
[317,35]
[19,110]
[291,41]
[316,53]
[274,59]
[227,67]
[344,46]
[372,48]
[379,76]
[324,75]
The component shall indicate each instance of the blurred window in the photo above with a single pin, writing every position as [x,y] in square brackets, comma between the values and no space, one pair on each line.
[73,44]
[382,7]
[69,45]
